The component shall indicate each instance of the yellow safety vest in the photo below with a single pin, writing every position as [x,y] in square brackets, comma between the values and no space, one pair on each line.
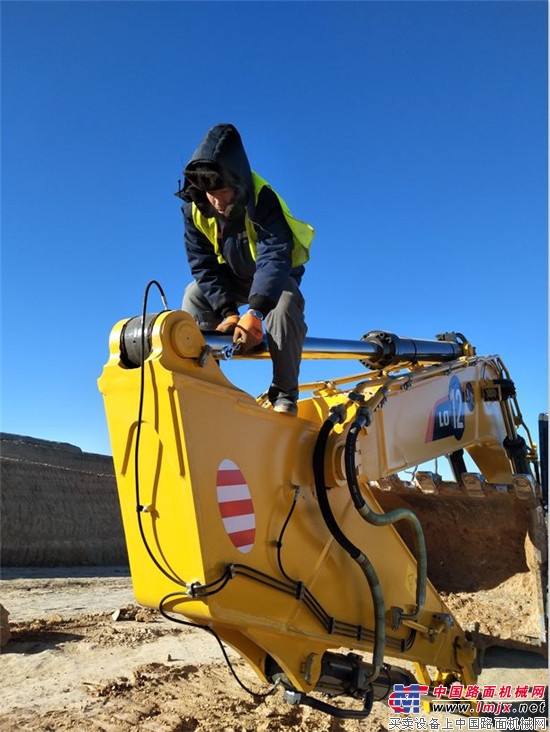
[302,233]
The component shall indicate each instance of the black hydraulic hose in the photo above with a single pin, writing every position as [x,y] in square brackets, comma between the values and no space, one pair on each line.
[543,442]
[355,553]
[384,519]
[319,476]
[140,508]
[296,697]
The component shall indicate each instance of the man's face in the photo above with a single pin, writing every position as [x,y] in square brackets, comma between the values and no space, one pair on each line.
[220,199]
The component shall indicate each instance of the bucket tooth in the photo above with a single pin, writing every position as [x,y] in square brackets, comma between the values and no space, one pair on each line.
[524,486]
[428,482]
[474,484]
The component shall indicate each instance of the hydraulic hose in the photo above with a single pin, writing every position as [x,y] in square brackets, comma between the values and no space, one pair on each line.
[355,553]
[362,419]
[296,697]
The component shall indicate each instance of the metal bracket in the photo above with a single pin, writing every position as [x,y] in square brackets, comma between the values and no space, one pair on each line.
[203,356]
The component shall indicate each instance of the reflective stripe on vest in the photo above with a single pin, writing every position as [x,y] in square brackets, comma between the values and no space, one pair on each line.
[302,233]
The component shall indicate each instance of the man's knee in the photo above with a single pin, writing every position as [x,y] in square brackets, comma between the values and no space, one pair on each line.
[285,324]
[198,307]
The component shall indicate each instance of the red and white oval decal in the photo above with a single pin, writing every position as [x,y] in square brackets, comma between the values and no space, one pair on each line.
[236,507]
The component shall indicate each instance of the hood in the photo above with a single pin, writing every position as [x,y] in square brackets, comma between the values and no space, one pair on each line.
[221,151]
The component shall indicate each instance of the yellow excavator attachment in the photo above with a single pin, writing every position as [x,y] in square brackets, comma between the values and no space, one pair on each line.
[294,538]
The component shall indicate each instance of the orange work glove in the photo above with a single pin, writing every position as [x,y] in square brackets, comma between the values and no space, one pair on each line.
[227,325]
[249,332]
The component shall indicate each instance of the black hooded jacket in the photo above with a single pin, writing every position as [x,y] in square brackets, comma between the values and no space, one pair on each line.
[224,285]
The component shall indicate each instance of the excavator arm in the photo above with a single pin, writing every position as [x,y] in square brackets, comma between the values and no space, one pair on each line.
[293,539]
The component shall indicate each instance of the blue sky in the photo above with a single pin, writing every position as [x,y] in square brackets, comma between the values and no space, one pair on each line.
[412,135]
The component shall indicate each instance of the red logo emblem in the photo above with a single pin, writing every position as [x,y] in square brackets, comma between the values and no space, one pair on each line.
[236,508]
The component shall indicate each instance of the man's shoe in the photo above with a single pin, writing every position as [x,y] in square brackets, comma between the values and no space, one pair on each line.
[285,405]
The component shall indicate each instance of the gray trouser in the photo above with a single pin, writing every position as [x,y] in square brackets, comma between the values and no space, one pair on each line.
[284,325]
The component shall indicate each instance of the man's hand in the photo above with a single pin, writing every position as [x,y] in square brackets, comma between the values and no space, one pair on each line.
[228,325]
[249,332]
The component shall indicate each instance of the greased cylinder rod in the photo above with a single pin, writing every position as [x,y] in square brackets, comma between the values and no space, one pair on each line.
[378,349]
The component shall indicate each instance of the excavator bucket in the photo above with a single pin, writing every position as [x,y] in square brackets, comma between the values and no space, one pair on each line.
[487,554]
[292,538]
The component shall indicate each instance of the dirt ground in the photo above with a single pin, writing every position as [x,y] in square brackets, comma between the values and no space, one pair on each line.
[83,656]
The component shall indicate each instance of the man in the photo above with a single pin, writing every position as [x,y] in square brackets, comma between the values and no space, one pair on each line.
[245,248]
